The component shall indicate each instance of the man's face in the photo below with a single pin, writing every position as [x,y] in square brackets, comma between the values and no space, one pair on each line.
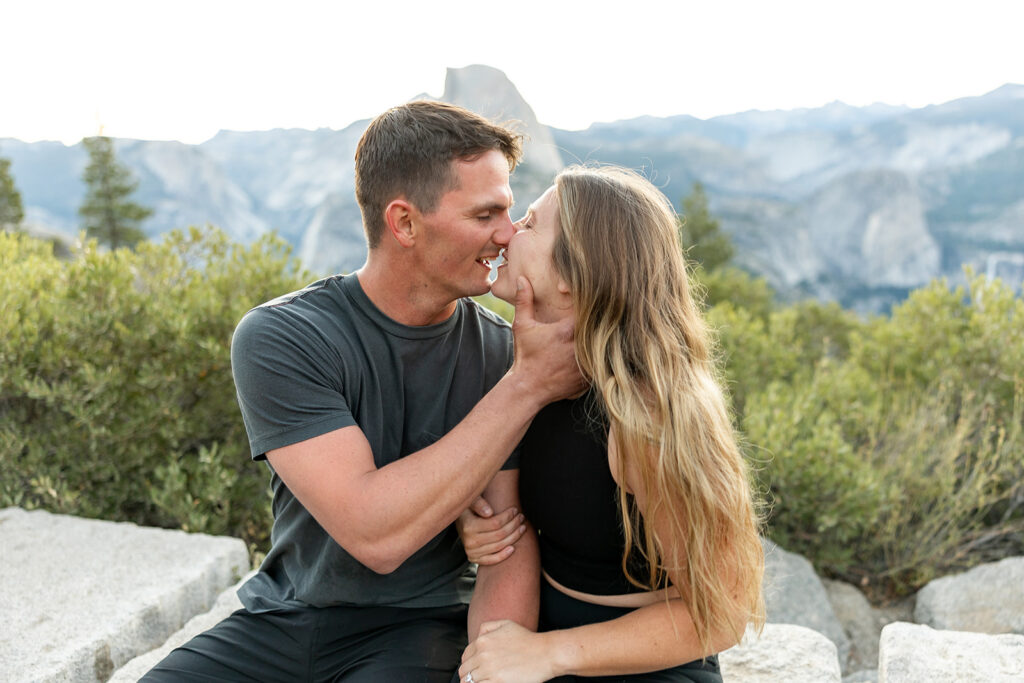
[471,224]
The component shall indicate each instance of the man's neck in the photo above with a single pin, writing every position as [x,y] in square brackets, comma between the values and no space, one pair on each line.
[400,295]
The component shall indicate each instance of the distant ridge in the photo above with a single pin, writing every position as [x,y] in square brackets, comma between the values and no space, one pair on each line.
[856,204]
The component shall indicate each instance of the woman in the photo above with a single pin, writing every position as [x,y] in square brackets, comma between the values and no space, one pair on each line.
[651,443]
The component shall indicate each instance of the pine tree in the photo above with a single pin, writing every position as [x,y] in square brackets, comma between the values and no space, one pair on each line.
[107,212]
[11,212]
[702,237]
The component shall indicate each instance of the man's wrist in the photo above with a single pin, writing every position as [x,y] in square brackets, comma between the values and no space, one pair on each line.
[527,390]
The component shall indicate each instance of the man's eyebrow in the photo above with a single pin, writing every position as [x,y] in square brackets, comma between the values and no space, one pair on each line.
[493,206]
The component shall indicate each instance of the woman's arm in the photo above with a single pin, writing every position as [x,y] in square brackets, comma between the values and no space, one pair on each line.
[508,589]
[650,638]
[658,636]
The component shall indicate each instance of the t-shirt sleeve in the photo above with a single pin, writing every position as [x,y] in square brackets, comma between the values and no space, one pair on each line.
[288,389]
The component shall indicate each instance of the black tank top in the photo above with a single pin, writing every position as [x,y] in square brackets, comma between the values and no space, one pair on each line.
[568,494]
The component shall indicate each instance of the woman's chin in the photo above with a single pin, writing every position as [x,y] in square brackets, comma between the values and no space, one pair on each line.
[500,292]
[502,288]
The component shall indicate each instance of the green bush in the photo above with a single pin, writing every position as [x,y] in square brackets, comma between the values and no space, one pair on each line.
[761,345]
[734,286]
[116,397]
[890,448]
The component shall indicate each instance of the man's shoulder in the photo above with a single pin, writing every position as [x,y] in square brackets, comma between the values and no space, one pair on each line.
[313,294]
[301,313]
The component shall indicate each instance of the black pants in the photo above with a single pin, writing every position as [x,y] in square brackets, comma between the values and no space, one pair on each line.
[351,644]
[558,610]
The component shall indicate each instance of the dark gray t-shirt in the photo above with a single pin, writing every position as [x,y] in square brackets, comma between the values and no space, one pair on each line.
[324,358]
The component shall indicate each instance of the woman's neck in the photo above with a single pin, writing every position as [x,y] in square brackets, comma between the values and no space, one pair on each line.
[552,312]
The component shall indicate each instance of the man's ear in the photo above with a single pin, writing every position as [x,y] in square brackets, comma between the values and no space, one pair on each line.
[399,215]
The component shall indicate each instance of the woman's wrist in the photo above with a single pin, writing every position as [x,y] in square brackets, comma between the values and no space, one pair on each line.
[563,653]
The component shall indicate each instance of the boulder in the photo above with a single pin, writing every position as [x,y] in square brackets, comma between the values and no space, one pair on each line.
[225,605]
[81,597]
[783,653]
[861,623]
[864,676]
[795,595]
[911,653]
[986,599]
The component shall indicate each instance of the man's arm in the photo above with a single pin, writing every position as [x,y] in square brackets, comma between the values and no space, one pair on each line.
[382,516]
[509,589]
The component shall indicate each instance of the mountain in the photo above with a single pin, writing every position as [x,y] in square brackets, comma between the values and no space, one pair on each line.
[858,205]
[855,204]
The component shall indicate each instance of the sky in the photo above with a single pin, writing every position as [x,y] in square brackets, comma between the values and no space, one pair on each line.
[183,70]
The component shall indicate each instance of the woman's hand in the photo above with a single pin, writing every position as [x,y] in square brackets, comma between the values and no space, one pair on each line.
[489,538]
[505,652]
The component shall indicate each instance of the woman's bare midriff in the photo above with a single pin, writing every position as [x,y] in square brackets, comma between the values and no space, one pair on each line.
[626,600]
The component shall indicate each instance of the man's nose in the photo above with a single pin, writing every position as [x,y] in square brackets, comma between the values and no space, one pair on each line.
[505,231]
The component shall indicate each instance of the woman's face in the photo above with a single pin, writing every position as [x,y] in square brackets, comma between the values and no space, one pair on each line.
[529,254]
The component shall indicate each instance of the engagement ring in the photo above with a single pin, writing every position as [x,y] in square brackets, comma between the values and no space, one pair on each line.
[469,677]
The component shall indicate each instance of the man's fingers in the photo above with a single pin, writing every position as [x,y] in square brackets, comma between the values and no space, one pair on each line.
[511,529]
[481,507]
[495,540]
[477,551]
[492,559]
[485,529]
[523,301]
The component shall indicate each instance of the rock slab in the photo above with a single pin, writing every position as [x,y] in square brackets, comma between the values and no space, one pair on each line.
[910,653]
[783,653]
[795,595]
[81,597]
[986,599]
[225,605]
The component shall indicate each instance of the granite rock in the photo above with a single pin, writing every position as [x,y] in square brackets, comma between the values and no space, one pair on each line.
[81,597]
[795,595]
[987,599]
[783,653]
[911,653]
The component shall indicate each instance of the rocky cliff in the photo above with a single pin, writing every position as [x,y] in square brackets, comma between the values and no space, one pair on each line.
[857,205]
[854,204]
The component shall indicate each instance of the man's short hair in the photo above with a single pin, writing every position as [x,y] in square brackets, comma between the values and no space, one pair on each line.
[408,151]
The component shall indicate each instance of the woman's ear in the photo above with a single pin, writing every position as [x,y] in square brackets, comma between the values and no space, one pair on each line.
[399,215]
[563,286]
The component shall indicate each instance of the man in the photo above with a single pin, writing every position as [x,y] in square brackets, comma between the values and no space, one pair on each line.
[382,404]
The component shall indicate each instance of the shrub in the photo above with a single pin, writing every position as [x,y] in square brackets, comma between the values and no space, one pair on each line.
[891,448]
[734,286]
[760,346]
[117,398]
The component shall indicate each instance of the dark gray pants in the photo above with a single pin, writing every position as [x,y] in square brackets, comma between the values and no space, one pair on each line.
[351,644]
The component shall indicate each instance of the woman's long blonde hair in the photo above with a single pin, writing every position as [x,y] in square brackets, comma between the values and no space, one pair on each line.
[643,344]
